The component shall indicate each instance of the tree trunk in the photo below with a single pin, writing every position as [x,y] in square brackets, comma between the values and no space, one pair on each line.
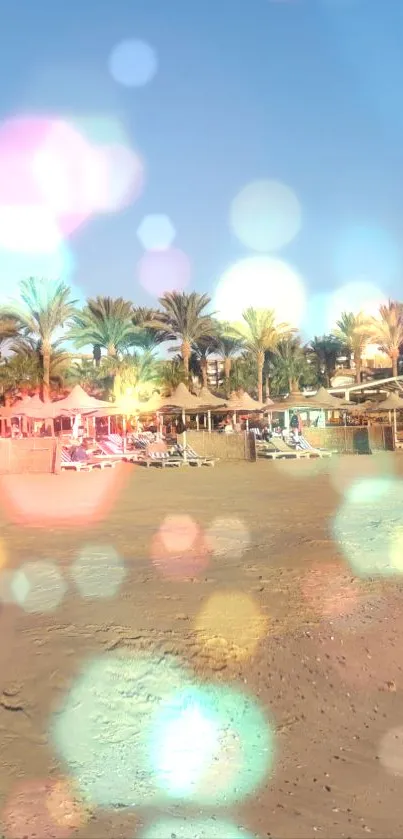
[394,356]
[267,385]
[185,353]
[96,352]
[227,373]
[293,385]
[357,363]
[46,372]
[260,365]
[111,351]
[204,368]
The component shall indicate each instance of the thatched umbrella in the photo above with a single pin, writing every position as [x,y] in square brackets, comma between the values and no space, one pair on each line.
[325,400]
[394,403]
[209,400]
[293,401]
[182,398]
[79,402]
[241,401]
[185,400]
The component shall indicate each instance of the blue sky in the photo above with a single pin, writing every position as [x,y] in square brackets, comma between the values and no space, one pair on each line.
[305,92]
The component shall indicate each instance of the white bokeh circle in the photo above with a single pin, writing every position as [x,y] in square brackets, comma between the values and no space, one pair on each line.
[265,215]
[262,282]
[133,63]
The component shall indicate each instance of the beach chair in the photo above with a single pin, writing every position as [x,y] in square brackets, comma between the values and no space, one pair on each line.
[271,452]
[84,465]
[110,450]
[194,458]
[74,465]
[161,459]
[306,446]
[285,447]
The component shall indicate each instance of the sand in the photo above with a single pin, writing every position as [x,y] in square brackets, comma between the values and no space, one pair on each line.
[264,602]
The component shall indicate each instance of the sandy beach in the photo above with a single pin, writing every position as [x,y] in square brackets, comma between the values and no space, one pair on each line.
[234,573]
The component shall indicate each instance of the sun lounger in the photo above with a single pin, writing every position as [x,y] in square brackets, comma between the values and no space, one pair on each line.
[306,446]
[74,465]
[109,450]
[67,463]
[162,459]
[194,458]
[285,447]
[271,452]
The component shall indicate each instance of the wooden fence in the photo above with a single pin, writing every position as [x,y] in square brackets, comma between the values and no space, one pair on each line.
[223,446]
[352,439]
[30,455]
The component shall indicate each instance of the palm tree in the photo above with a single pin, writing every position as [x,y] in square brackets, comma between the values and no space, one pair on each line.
[171,374]
[289,365]
[387,331]
[24,367]
[183,319]
[104,322]
[324,352]
[146,337]
[352,330]
[228,348]
[261,333]
[202,349]
[44,309]
[135,372]
[9,329]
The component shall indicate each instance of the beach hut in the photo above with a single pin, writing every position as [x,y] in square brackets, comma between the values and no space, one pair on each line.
[391,405]
[184,400]
[210,401]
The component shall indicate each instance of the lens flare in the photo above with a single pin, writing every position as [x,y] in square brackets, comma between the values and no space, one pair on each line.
[189,746]
[265,216]
[3,554]
[6,586]
[188,828]
[365,526]
[264,283]
[391,751]
[103,731]
[67,172]
[65,808]
[58,264]
[368,251]
[358,296]
[38,587]
[330,591]
[234,618]
[161,271]
[228,537]
[45,808]
[156,233]
[346,471]
[133,63]
[179,549]
[40,501]
[98,571]
[122,177]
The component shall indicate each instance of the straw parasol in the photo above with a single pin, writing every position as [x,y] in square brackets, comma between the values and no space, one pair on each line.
[185,400]
[393,402]
[80,402]
[293,401]
[209,400]
[241,401]
[182,398]
[325,400]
